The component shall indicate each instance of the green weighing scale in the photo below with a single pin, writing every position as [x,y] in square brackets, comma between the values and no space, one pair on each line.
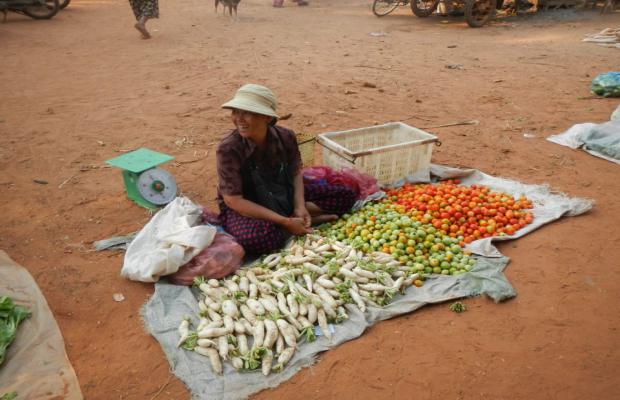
[145,184]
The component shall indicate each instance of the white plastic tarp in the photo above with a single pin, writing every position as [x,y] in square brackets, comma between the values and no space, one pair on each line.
[36,365]
[169,304]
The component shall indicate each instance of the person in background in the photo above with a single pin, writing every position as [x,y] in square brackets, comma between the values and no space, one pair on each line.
[261,192]
[144,10]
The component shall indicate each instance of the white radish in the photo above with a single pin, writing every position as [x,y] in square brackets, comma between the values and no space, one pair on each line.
[251,277]
[310,253]
[282,306]
[312,313]
[314,268]
[357,299]
[213,324]
[326,297]
[334,293]
[271,334]
[266,362]
[303,308]
[202,324]
[253,291]
[202,306]
[213,283]
[183,330]
[287,332]
[270,258]
[348,274]
[293,321]
[231,285]
[292,305]
[277,284]
[212,304]
[398,283]
[248,314]
[239,327]
[264,288]
[366,274]
[322,319]
[214,315]
[325,282]
[255,306]
[230,308]
[237,363]
[206,343]
[222,345]
[330,311]
[259,334]
[350,265]
[247,325]
[279,343]
[308,281]
[229,324]
[212,333]
[242,344]
[269,303]
[285,356]
[371,287]
[214,358]
[244,284]
[323,248]
[342,313]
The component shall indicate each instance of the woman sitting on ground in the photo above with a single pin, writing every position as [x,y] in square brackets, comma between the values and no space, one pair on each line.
[261,193]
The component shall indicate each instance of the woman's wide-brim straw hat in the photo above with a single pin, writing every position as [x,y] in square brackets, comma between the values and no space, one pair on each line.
[254,98]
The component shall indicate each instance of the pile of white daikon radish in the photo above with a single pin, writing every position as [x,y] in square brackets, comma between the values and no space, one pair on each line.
[278,301]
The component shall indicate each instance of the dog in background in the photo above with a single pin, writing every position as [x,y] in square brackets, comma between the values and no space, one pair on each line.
[231,5]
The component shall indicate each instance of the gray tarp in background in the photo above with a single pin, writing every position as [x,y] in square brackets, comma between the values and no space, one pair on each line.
[169,304]
[36,366]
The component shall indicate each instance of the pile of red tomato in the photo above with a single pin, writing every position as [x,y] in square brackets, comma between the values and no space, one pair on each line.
[464,212]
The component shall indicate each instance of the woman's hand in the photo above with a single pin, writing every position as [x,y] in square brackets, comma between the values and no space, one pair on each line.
[302,212]
[296,226]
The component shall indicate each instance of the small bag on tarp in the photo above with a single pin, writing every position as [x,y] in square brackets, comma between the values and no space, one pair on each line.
[223,257]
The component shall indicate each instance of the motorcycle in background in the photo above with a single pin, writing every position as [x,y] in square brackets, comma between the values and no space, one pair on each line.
[37,9]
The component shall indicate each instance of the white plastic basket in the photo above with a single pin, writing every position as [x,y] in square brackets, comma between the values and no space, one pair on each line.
[388,152]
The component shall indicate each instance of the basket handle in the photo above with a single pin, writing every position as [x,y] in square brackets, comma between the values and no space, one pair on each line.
[346,157]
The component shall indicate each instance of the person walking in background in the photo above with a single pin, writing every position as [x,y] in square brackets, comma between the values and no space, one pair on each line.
[144,10]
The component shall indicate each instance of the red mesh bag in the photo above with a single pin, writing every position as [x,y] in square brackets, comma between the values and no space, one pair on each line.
[223,257]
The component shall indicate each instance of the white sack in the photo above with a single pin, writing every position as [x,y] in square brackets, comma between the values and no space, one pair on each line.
[171,238]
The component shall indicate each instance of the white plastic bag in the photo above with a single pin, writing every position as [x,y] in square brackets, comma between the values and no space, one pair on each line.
[171,238]
[601,140]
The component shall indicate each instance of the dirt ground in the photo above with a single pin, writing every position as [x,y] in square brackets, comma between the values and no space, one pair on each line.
[83,87]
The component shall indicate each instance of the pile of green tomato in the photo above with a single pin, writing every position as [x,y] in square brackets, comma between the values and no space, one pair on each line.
[381,226]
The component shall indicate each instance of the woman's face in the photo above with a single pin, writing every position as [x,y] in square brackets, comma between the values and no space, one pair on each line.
[250,125]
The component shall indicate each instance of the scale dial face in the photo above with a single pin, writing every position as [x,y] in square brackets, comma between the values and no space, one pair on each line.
[157,186]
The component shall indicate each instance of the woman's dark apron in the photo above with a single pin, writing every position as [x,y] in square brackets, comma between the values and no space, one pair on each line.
[271,187]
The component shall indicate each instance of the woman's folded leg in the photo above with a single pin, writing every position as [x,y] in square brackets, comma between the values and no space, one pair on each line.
[256,236]
[331,199]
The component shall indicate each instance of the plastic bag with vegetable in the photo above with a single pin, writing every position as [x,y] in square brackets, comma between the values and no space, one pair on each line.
[606,85]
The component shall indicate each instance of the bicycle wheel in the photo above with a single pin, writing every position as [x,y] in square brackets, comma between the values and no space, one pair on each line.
[63,3]
[384,7]
[423,8]
[479,12]
[45,9]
